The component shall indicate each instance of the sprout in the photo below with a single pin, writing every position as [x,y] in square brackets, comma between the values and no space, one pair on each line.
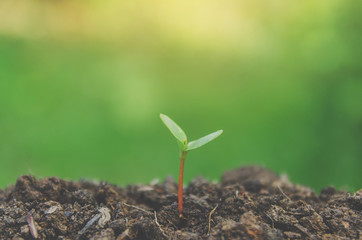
[185,146]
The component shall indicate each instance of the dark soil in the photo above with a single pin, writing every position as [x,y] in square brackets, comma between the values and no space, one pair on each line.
[249,203]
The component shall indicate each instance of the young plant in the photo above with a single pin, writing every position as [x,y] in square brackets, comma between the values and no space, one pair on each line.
[185,147]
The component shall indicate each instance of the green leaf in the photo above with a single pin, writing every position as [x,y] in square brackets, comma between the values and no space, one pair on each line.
[202,141]
[175,130]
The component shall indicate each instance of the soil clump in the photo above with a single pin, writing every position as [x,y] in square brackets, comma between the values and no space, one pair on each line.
[248,203]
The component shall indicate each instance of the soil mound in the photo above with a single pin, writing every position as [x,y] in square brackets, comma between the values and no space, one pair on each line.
[249,203]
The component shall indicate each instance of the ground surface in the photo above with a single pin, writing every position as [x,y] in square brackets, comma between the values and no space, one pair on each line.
[249,203]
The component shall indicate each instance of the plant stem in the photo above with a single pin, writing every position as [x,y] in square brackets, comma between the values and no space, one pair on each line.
[180,183]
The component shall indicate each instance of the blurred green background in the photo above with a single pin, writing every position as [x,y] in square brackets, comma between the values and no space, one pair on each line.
[82,84]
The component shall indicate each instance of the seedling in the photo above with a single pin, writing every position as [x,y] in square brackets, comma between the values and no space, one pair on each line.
[185,147]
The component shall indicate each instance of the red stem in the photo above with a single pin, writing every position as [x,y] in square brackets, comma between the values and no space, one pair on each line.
[180,183]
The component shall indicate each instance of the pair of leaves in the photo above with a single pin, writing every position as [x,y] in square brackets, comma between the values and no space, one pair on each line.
[180,135]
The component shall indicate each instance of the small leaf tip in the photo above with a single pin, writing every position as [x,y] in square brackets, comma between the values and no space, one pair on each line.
[219,132]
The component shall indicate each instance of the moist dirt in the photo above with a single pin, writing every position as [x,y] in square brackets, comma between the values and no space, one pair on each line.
[248,203]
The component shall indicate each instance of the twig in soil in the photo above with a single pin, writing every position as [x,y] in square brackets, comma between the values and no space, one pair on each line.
[89,224]
[272,221]
[103,217]
[32,226]
[138,208]
[159,226]
[212,211]
[285,195]
[124,235]
[304,230]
